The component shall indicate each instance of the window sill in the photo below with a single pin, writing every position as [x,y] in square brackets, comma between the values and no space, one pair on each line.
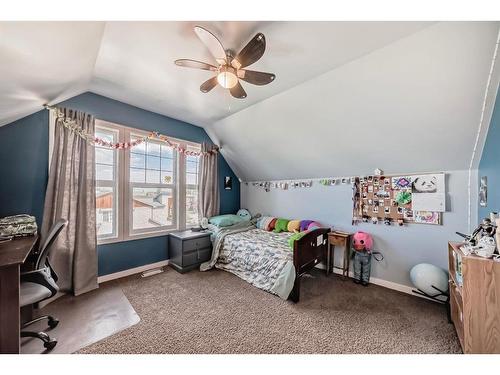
[134,237]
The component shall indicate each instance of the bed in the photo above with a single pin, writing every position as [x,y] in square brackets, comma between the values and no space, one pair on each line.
[264,259]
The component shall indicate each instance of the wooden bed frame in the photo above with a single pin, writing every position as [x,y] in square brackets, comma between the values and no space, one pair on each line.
[307,253]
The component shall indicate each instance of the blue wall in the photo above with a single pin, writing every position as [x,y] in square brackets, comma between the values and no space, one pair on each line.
[24,159]
[23,165]
[490,163]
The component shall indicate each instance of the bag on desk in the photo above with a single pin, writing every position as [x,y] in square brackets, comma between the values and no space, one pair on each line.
[18,226]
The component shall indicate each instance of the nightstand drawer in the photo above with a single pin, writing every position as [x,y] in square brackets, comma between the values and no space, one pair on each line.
[205,254]
[196,243]
[196,256]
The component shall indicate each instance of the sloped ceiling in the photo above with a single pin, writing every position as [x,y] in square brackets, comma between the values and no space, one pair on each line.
[411,106]
[46,62]
[348,97]
[43,62]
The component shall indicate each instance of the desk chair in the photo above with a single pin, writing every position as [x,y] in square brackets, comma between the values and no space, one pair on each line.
[40,284]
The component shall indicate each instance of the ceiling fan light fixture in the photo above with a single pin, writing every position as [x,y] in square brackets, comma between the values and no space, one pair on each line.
[227,77]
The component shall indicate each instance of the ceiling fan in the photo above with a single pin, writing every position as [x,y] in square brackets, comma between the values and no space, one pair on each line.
[229,69]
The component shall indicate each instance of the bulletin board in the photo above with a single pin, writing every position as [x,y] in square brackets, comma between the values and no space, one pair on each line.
[396,200]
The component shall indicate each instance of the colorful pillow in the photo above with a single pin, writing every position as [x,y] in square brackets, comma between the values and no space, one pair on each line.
[293,226]
[263,222]
[281,225]
[295,237]
[271,224]
[304,224]
[313,225]
[225,220]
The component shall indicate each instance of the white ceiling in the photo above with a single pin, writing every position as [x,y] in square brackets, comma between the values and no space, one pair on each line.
[132,62]
[43,62]
[403,96]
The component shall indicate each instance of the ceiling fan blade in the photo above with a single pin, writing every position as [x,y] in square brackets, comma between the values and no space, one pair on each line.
[252,52]
[238,92]
[256,78]
[212,43]
[208,85]
[188,63]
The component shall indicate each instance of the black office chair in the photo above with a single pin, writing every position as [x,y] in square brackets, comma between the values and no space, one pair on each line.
[40,284]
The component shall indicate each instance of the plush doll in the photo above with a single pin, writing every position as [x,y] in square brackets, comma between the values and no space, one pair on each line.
[304,224]
[271,224]
[295,237]
[244,214]
[281,225]
[313,225]
[362,244]
[294,226]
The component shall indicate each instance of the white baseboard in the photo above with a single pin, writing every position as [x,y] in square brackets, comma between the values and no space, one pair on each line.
[388,284]
[132,271]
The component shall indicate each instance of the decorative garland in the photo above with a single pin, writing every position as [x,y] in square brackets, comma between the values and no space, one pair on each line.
[91,139]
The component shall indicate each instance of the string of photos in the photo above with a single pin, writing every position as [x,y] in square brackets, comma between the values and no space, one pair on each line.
[91,139]
[298,184]
[384,199]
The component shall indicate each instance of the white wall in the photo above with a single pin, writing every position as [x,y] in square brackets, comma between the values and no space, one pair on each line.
[402,247]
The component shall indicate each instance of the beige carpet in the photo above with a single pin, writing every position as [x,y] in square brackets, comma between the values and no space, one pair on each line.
[216,312]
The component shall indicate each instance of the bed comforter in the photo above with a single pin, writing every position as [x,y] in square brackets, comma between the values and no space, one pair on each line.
[261,258]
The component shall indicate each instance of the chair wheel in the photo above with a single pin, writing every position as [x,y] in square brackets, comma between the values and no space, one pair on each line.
[53,322]
[50,344]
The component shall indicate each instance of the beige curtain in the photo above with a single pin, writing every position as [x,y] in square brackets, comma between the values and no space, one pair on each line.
[71,195]
[208,186]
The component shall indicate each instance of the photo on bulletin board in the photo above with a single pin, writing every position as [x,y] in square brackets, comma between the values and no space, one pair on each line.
[427,217]
[428,192]
[228,183]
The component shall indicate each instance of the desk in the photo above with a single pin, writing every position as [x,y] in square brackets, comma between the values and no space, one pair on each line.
[12,255]
[338,239]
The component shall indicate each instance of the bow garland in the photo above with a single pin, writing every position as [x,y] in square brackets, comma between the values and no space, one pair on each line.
[91,139]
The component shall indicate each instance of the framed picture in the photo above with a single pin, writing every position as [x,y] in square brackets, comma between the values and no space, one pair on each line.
[228,183]
[483,191]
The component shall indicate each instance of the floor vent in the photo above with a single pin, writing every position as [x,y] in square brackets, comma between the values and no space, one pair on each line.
[152,272]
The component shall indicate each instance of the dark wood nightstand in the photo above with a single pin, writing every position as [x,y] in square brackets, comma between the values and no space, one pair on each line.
[187,249]
[338,239]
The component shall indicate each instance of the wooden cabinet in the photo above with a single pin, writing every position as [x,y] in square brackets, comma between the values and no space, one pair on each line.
[187,250]
[475,300]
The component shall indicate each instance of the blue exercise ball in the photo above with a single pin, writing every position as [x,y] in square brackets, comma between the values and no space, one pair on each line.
[424,275]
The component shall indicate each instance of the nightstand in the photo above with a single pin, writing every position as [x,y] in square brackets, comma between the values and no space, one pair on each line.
[338,239]
[188,249]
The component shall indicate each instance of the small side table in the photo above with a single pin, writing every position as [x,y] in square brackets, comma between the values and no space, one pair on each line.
[188,249]
[338,239]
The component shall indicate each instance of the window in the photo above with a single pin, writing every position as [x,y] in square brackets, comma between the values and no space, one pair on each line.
[147,190]
[106,164]
[192,164]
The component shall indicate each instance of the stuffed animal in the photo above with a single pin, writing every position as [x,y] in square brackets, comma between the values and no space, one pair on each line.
[295,237]
[263,222]
[304,224]
[271,224]
[362,244]
[244,214]
[313,225]
[281,225]
[294,226]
